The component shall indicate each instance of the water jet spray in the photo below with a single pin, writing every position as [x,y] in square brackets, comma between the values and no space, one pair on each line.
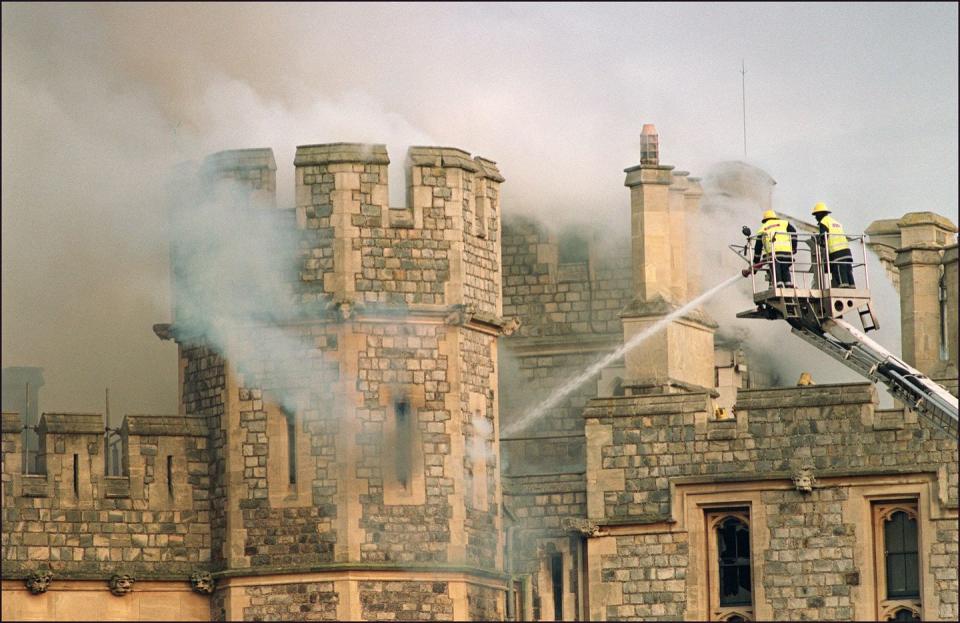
[573,384]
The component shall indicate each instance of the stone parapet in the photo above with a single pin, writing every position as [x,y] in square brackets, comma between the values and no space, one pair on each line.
[807,396]
[341,153]
[75,520]
[165,425]
[77,423]
[443,157]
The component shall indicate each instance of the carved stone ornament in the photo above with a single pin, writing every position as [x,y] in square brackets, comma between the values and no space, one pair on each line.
[121,584]
[38,582]
[804,480]
[578,524]
[202,582]
[346,308]
[510,326]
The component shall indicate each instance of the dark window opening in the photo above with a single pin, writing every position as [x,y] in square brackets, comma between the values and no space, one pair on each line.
[170,475]
[556,580]
[291,448]
[900,544]
[944,341]
[402,413]
[733,546]
[735,619]
[76,474]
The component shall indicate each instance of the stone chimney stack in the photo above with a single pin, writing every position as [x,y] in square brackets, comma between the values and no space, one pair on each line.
[661,201]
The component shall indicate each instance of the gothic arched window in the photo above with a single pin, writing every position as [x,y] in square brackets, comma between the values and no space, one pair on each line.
[730,568]
[897,547]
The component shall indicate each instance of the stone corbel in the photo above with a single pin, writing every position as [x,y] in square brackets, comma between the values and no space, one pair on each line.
[510,326]
[580,525]
[38,582]
[346,308]
[121,584]
[804,480]
[202,582]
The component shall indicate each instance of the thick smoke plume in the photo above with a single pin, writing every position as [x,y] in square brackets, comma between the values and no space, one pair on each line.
[100,99]
[234,258]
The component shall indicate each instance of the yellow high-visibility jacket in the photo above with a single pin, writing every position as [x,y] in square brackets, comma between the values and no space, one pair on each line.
[833,232]
[776,238]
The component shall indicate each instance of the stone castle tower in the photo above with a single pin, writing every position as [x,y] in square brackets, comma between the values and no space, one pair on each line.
[381,481]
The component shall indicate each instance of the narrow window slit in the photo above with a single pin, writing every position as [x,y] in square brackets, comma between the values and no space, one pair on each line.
[403,450]
[76,474]
[556,579]
[291,449]
[170,475]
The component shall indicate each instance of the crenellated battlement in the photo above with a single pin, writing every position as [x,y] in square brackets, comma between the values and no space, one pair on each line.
[76,520]
[442,249]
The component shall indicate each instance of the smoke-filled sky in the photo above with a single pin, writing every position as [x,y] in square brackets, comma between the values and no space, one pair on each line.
[851,104]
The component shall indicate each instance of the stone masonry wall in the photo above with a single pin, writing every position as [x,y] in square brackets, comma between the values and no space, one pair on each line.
[809,539]
[480,461]
[541,507]
[439,250]
[401,355]
[810,567]
[656,438]
[405,601]
[308,601]
[569,315]
[652,571]
[81,524]
[553,298]
[483,604]
[203,393]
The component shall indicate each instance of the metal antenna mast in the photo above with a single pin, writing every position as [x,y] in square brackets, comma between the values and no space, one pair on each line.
[743,88]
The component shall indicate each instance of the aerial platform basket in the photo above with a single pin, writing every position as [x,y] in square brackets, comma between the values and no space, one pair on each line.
[814,306]
[812,295]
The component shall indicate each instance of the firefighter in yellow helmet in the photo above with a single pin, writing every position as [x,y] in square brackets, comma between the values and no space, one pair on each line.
[777,239]
[834,244]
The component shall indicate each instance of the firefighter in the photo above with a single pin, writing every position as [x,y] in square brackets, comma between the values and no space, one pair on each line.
[777,240]
[834,244]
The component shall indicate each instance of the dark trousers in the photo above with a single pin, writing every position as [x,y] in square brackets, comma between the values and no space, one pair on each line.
[841,269]
[781,265]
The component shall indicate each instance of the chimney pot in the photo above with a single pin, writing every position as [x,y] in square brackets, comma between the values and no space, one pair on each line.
[649,145]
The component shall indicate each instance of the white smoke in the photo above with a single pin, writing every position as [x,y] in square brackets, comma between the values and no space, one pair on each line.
[100,99]
[736,194]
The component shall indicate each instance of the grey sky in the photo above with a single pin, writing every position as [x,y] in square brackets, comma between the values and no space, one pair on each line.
[851,104]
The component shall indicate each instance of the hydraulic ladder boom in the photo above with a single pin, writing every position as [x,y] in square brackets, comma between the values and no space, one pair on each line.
[863,355]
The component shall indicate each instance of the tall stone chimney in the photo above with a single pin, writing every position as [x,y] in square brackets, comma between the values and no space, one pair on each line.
[661,202]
